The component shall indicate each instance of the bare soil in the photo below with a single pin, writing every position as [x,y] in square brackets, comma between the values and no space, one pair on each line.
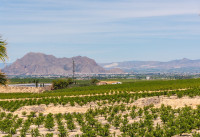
[8,89]
[173,101]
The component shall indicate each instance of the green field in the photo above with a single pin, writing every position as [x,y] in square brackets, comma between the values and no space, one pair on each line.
[110,110]
[137,86]
[49,80]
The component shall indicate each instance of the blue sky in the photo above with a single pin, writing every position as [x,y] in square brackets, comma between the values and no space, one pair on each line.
[105,30]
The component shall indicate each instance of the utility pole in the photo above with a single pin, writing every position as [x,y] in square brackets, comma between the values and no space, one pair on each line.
[73,69]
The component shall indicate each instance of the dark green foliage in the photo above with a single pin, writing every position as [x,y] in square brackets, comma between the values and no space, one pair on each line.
[30,80]
[3,57]
[24,113]
[49,121]
[134,87]
[39,120]
[121,97]
[61,83]
[62,130]
[117,121]
[49,135]
[94,81]
[196,134]
[35,132]
[5,125]
[3,79]
[173,121]
[25,128]
[32,114]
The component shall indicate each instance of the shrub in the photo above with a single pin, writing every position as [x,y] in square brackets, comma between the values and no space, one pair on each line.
[24,113]
[49,135]
[35,132]
[94,81]
[49,122]
[61,83]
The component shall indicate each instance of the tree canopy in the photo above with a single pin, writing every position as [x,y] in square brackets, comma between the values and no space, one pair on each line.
[3,57]
[3,50]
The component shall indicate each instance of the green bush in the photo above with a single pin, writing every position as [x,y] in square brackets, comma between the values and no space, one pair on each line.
[49,135]
[49,122]
[62,83]
[94,81]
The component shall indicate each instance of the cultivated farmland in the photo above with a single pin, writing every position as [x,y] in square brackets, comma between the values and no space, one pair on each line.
[142,108]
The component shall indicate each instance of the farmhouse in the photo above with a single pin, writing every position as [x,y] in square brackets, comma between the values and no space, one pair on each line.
[108,82]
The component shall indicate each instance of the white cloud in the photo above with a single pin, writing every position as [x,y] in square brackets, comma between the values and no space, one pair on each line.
[77,21]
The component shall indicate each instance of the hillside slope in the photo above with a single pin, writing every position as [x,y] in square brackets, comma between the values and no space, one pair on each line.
[41,64]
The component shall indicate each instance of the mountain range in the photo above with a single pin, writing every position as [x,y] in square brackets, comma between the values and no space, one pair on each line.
[179,66]
[42,64]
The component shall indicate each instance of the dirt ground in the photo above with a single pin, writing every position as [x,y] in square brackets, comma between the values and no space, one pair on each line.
[9,89]
[173,101]
[51,109]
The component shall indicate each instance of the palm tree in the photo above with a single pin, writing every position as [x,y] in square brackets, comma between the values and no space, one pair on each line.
[3,50]
[3,79]
[3,57]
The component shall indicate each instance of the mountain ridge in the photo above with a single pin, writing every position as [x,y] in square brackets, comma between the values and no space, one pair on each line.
[162,66]
[42,64]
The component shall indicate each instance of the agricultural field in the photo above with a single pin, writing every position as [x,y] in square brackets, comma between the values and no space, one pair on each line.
[140,108]
[40,80]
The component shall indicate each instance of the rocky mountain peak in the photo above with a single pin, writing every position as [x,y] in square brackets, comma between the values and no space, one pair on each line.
[42,64]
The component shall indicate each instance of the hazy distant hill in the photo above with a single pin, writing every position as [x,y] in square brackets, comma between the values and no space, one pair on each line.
[183,65]
[115,71]
[41,64]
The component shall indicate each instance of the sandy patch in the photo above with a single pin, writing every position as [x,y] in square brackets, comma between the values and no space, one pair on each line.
[172,101]
[8,89]
[179,102]
[147,101]
[51,109]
